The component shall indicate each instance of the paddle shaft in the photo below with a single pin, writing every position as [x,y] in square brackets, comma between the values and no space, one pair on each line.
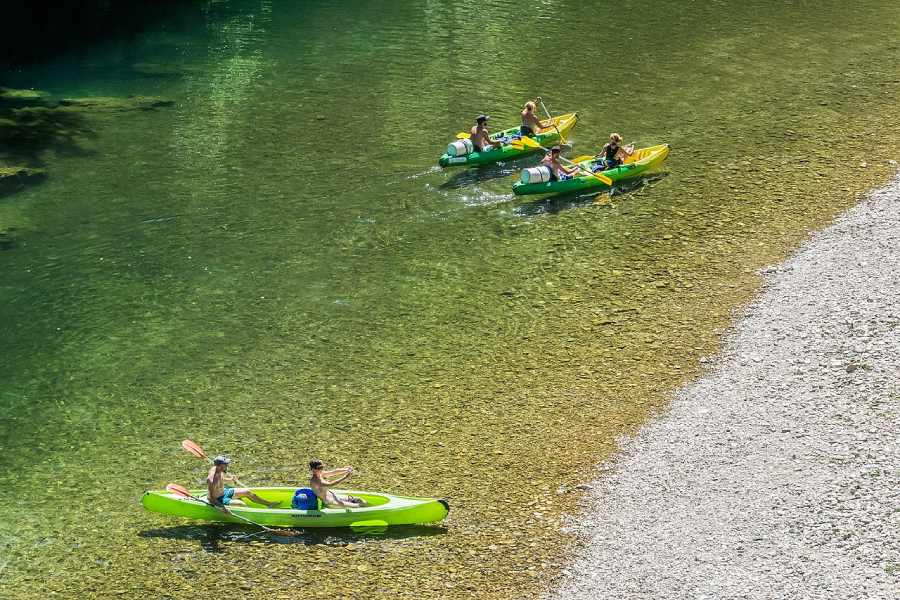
[195,449]
[230,512]
[547,112]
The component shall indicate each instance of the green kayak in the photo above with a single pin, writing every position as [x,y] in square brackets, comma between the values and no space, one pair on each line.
[460,153]
[641,162]
[382,509]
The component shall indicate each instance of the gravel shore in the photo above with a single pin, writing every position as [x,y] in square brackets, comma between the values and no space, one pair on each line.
[777,475]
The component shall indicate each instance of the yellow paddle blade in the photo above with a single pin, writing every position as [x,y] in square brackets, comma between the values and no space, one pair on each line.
[603,178]
[462,135]
[527,141]
[582,158]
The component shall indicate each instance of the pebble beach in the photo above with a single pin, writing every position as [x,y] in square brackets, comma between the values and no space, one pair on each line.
[776,474]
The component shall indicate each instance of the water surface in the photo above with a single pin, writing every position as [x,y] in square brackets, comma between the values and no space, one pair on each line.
[274,267]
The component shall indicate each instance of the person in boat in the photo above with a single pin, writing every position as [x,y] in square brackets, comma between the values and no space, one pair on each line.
[558,171]
[319,482]
[531,124]
[480,136]
[613,153]
[220,495]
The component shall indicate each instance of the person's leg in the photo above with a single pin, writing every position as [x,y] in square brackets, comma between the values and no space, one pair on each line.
[245,493]
[350,501]
[343,501]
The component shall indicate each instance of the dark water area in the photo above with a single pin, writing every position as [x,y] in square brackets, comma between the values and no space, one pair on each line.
[38,30]
[242,238]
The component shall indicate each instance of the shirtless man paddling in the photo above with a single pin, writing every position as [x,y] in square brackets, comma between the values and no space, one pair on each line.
[481,137]
[221,496]
[320,485]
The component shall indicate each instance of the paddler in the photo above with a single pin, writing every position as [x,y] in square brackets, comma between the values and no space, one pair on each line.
[221,496]
[613,153]
[320,485]
[531,124]
[558,171]
[480,136]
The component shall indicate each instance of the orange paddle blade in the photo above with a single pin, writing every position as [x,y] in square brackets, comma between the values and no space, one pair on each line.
[178,490]
[194,449]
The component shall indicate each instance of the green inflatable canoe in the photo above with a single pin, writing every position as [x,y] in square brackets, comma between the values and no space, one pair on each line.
[382,509]
[641,162]
[460,154]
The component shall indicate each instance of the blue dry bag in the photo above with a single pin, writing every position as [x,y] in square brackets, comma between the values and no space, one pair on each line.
[305,499]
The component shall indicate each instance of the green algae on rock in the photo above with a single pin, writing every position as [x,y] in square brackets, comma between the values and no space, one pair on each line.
[13,178]
[101,103]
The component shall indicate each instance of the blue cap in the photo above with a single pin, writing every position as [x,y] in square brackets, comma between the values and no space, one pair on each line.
[221,460]
[481,118]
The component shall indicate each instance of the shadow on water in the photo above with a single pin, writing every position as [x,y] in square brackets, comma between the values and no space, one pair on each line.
[561,202]
[29,128]
[211,537]
[477,175]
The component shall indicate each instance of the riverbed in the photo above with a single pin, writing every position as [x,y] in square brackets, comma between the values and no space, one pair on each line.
[273,266]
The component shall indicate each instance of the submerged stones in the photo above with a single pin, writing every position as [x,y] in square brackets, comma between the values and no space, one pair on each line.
[13,178]
[110,103]
[32,124]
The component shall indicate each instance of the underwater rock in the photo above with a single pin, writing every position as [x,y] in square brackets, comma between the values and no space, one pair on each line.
[7,241]
[116,104]
[15,95]
[12,178]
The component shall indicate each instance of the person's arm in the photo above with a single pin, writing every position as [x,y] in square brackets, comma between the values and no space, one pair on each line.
[624,152]
[348,471]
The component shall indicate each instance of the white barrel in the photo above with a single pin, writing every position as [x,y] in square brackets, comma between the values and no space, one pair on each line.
[460,147]
[536,175]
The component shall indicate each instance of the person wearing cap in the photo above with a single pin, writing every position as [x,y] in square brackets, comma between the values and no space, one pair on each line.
[221,496]
[480,136]
[613,153]
[531,124]
[558,170]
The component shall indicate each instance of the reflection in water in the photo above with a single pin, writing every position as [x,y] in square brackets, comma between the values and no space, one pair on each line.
[205,133]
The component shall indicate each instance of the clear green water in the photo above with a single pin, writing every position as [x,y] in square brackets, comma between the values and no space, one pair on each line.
[274,268]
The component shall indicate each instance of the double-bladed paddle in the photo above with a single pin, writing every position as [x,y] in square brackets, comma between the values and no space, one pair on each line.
[195,449]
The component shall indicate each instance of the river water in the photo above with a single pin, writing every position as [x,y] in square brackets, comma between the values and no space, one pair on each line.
[274,266]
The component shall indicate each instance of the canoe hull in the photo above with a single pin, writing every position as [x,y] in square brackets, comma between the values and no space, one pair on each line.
[386,509]
[549,137]
[644,161]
